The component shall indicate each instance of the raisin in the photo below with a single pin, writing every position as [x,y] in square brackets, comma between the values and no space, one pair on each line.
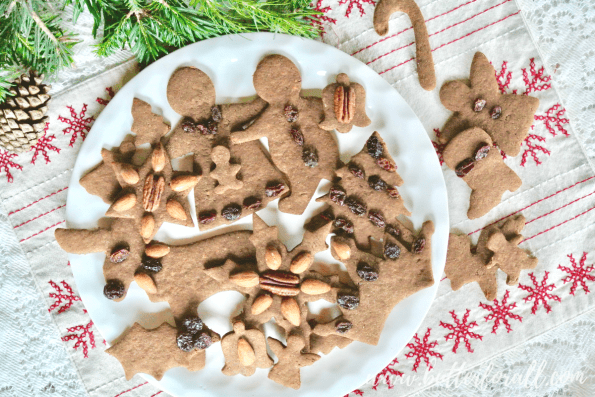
[392,250]
[188,126]
[327,215]
[119,254]
[343,326]
[366,272]
[482,151]
[376,218]
[231,212]
[216,114]
[386,164]
[355,206]
[206,217]
[251,203]
[496,112]
[203,341]
[377,183]
[374,147]
[310,157]
[297,136]
[393,192]
[344,225]
[212,127]
[113,289]
[419,245]
[192,324]
[337,195]
[464,167]
[151,264]
[202,129]
[185,341]
[392,230]
[355,170]
[348,301]
[291,113]
[479,104]
[273,190]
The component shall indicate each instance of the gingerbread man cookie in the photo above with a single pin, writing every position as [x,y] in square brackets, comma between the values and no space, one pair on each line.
[290,359]
[344,105]
[244,351]
[224,173]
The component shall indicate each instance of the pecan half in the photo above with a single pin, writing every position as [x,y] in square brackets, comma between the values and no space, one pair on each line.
[152,191]
[344,101]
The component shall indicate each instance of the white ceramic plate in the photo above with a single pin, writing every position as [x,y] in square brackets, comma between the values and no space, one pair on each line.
[230,62]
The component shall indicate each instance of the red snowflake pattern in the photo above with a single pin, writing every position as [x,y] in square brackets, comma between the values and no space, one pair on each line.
[438,147]
[60,297]
[540,293]
[319,19]
[538,81]
[554,121]
[6,164]
[533,149]
[110,93]
[356,392]
[387,375]
[461,331]
[44,145]
[500,312]
[356,3]
[84,337]
[79,125]
[504,77]
[421,349]
[579,273]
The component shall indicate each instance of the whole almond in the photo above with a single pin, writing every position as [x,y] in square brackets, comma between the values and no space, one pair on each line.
[125,202]
[183,182]
[272,258]
[158,158]
[156,250]
[291,311]
[261,303]
[245,353]
[315,287]
[145,282]
[245,279]
[128,173]
[342,250]
[301,263]
[147,225]
[175,209]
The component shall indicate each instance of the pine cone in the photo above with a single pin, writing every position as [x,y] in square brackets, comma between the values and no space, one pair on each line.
[22,116]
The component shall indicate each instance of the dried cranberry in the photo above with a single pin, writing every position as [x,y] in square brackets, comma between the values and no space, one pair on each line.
[347,301]
[251,203]
[119,254]
[114,289]
[203,341]
[212,127]
[482,151]
[366,272]
[392,250]
[343,326]
[151,264]
[393,192]
[297,136]
[374,147]
[231,212]
[206,217]
[185,341]
[310,157]
[216,114]
[203,129]
[496,112]
[419,245]
[376,218]
[291,113]
[188,126]
[386,164]
[337,195]
[377,183]
[464,167]
[356,171]
[192,324]
[355,206]
[344,225]
[273,190]
[479,104]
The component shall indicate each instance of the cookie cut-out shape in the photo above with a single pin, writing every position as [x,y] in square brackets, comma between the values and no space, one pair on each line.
[423,51]
[224,172]
[345,100]
[489,177]
[505,117]
[509,257]
[510,227]
[240,343]
[290,359]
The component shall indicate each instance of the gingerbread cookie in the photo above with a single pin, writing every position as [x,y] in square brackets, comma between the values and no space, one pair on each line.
[303,151]
[344,105]
[509,257]
[244,351]
[423,51]
[505,117]
[510,227]
[205,131]
[290,359]
[472,155]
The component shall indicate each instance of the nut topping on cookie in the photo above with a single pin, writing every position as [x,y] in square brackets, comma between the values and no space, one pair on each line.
[314,287]
[280,283]
[183,182]
[261,303]
[128,174]
[301,262]
[158,160]
[245,279]
[291,311]
[272,258]
[156,250]
[125,202]
[343,251]
[344,102]
[245,353]
[152,191]
[145,282]
[175,210]
[147,224]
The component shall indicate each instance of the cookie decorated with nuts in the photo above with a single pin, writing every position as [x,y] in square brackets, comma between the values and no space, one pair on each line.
[344,105]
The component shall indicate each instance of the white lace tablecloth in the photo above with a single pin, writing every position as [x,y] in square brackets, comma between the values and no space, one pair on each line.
[42,318]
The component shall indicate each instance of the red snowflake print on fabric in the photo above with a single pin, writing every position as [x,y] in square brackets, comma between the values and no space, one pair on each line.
[110,93]
[461,331]
[319,19]
[356,392]
[6,164]
[536,79]
[422,349]
[79,124]
[356,3]
[387,375]
[504,77]
[43,146]
[533,148]
[61,298]
[500,312]
[438,147]
[578,274]
[83,335]
[540,293]
[554,120]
